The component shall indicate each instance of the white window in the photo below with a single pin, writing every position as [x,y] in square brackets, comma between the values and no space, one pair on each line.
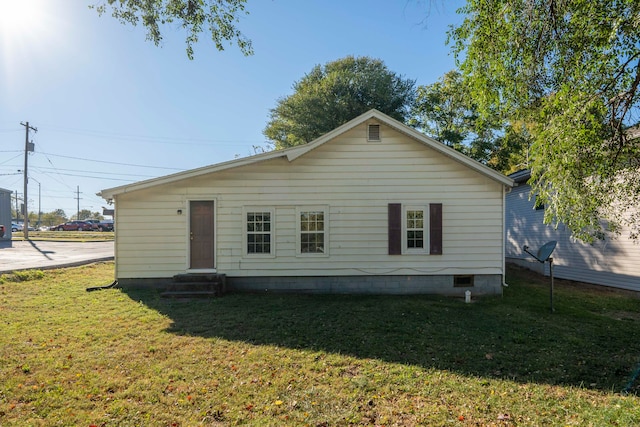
[414,229]
[313,231]
[259,231]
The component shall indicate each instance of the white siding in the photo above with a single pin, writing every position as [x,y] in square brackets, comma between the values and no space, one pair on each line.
[612,262]
[5,213]
[355,179]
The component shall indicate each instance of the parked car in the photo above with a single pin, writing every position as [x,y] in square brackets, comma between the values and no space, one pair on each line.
[105,225]
[1,231]
[16,226]
[94,223]
[74,226]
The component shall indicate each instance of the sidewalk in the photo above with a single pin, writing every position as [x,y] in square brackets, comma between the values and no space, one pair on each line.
[26,255]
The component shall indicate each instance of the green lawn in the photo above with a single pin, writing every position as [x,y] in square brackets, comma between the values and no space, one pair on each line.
[64,236]
[114,358]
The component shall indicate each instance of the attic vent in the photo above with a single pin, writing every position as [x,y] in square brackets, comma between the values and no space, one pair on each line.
[373,133]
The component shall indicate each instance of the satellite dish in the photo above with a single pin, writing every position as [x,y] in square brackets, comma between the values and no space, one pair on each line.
[544,252]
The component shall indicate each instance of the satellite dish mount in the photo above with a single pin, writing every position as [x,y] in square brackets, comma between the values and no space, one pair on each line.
[543,255]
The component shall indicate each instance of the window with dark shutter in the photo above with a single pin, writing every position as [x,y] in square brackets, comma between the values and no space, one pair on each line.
[395,229]
[435,228]
[414,227]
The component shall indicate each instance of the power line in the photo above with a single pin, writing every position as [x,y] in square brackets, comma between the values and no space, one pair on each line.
[13,158]
[110,163]
[146,138]
[46,170]
[56,178]
[43,169]
[94,177]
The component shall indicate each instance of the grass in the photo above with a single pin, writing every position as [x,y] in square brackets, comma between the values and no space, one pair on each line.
[116,358]
[65,236]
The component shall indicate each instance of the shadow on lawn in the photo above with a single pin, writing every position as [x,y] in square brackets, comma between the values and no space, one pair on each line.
[514,337]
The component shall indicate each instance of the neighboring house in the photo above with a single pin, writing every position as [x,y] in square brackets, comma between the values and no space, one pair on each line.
[371,207]
[611,262]
[5,212]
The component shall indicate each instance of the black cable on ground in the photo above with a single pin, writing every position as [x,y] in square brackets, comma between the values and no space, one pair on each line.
[99,288]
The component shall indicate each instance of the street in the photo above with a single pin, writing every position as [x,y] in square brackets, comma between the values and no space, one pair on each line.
[23,255]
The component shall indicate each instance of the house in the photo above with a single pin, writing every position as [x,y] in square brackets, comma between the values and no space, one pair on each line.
[371,207]
[610,262]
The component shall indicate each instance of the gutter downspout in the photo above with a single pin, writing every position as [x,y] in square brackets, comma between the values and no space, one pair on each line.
[504,239]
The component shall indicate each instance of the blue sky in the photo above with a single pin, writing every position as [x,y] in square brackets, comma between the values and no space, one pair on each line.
[112,108]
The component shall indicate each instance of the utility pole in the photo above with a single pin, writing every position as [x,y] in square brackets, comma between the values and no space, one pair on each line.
[39,206]
[78,199]
[17,211]
[39,203]
[28,147]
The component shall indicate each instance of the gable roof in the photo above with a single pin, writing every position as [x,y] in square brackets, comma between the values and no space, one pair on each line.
[295,152]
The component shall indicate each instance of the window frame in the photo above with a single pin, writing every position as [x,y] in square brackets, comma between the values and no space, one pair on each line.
[425,229]
[246,210]
[324,209]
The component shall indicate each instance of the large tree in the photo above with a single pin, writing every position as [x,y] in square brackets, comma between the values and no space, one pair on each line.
[571,69]
[335,93]
[445,111]
[218,18]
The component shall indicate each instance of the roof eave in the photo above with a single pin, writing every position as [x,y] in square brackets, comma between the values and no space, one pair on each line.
[521,176]
[108,194]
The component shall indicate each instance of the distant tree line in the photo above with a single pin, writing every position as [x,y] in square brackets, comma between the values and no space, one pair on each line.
[55,217]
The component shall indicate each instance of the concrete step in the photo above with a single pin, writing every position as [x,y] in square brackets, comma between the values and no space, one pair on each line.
[199,277]
[201,285]
[193,286]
